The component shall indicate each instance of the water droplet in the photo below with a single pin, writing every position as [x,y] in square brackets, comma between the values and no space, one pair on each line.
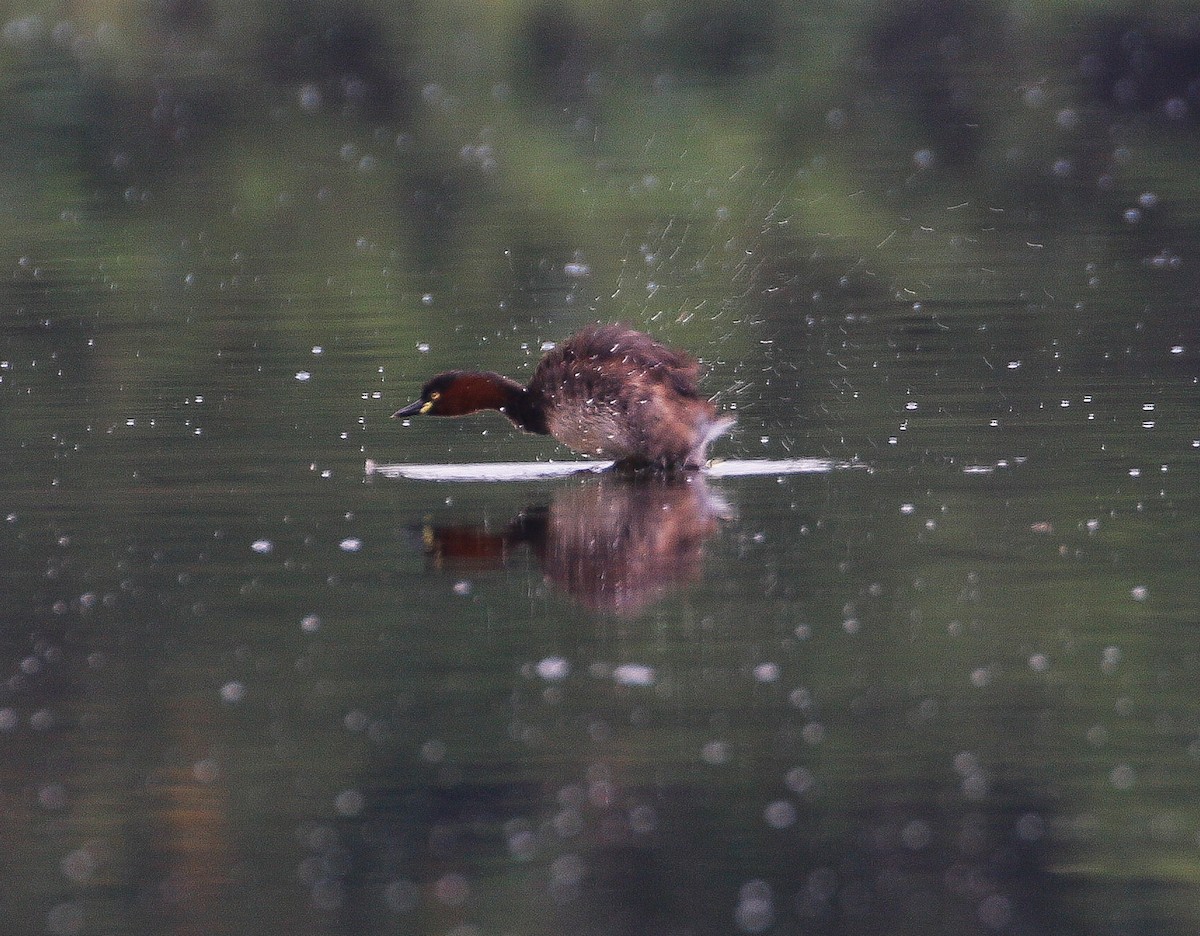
[995,911]
[52,796]
[452,890]
[780,814]
[1067,119]
[567,870]
[349,802]
[643,820]
[309,97]
[206,770]
[634,674]
[1122,777]
[553,668]
[65,919]
[755,912]
[1031,827]
[799,780]
[916,835]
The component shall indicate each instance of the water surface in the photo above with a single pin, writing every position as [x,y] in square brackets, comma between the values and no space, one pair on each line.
[935,672]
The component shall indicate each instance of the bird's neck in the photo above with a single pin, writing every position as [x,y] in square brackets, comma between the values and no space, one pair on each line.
[485,390]
[525,409]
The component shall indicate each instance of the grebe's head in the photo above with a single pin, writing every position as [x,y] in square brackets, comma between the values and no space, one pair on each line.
[457,393]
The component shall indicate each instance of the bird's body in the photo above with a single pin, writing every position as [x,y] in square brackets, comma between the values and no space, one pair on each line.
[607,391]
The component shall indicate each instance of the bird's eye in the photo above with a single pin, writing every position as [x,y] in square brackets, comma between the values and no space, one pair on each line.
[428,404]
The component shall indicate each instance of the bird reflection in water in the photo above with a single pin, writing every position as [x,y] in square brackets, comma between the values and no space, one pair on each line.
[613,544]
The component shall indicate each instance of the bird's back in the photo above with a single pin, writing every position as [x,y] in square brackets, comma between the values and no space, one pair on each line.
[617,393]
[633,351]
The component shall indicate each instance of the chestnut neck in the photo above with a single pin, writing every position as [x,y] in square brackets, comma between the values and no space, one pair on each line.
[479,390]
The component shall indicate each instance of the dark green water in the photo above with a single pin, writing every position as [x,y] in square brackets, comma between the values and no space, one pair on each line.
[246,687]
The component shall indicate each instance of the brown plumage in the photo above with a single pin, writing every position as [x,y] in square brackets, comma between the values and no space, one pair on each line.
[607,391]
[612,544]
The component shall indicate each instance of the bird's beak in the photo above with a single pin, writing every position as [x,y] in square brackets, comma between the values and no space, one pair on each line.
[412,409]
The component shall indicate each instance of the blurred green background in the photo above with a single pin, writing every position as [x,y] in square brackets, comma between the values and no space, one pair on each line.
[247,689]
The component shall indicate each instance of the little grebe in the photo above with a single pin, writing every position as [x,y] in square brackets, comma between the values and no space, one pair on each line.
[607,390]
